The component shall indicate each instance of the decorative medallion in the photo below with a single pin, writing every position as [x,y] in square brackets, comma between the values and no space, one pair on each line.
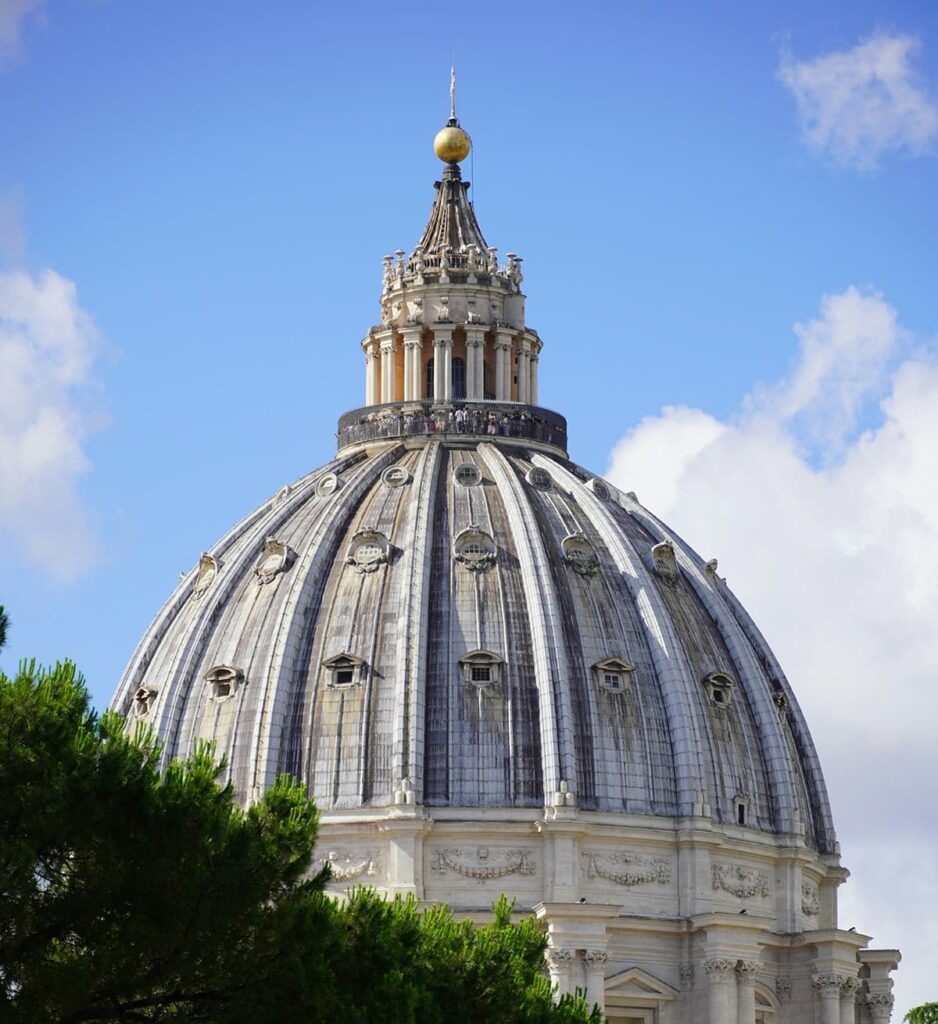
[580,555]
[275,558]
[282,495]
[664,562]
[810,900]
[368,550]
[208,570]
[486,864]
[474,549]
[626,868]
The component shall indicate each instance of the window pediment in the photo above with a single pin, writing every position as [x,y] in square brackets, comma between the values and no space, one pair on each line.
[343,671]
[614,675]
[482,669]
[224,681]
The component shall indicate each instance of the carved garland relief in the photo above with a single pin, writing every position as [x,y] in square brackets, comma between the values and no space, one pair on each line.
[740,881]
[485,864]
[626,868]
[348,865]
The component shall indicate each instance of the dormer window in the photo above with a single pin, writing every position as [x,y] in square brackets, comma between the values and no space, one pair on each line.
[343,671]
[224,681]
[482,669]
[741,809]
[539,477]
[475,549]
[143,698]
[368,550]
[467,474]
[613,675]
[719,689]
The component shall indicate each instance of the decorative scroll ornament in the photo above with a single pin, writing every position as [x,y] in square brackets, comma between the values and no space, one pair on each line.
[626,868]
[810,903]
[740,881]
[275,558]
[368,550]
[208,570]
[484,865]
[783,987]
[687,976]
[346,866]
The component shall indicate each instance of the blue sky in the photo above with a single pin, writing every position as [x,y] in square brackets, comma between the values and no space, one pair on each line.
[213,186]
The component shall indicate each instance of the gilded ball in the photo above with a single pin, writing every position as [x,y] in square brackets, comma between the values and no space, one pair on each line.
[452,144]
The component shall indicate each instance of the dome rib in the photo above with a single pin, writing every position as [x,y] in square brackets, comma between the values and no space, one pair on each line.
[686,738]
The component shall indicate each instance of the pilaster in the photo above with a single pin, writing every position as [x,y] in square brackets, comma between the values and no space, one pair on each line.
[559,963]
[746,991]
[595,963]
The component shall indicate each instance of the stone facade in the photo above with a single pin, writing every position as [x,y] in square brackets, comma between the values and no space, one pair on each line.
[497,673]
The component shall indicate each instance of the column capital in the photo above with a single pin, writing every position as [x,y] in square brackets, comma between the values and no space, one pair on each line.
[595,959]
[746,970]
[442,335]
[387,344]
[412,334]
[475,336]
[827,984]
[849,987]
[558,959]
[719,969]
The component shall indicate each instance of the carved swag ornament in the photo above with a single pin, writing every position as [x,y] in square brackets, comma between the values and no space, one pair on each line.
[740,881]
[626,868]
[484,865]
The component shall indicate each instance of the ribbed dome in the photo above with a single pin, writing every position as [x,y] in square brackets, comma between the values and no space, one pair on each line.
[470,622]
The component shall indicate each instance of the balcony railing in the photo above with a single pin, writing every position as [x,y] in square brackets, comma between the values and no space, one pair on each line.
[459,417]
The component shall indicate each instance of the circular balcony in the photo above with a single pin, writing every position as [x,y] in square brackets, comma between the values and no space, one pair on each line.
[457,418]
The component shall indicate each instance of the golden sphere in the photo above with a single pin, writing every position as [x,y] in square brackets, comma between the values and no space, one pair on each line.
[452,144]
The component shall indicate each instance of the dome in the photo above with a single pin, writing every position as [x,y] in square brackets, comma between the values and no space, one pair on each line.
[480,622]
[496,672]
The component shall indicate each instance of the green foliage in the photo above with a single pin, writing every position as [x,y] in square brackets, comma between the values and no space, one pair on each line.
[4,625]
[927,1013]
[127,894]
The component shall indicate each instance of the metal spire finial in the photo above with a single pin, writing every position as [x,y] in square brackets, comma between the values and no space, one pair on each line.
[452,92]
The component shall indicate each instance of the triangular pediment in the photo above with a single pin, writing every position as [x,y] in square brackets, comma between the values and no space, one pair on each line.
[636,982]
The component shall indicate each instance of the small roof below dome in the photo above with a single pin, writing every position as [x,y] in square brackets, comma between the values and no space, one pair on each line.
[452,220]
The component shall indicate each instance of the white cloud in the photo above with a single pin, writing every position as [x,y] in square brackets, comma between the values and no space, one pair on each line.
[48,345]
[13,16]
[837,561]
[858,104]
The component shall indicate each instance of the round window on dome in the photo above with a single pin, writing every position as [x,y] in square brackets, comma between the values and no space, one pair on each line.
[395,476]
[539,477]
[599,488]
[467,474]
[327,485]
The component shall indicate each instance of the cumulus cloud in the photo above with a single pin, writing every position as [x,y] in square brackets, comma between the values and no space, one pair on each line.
[48,346]
[836,557]
[13,17]
[858,104]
